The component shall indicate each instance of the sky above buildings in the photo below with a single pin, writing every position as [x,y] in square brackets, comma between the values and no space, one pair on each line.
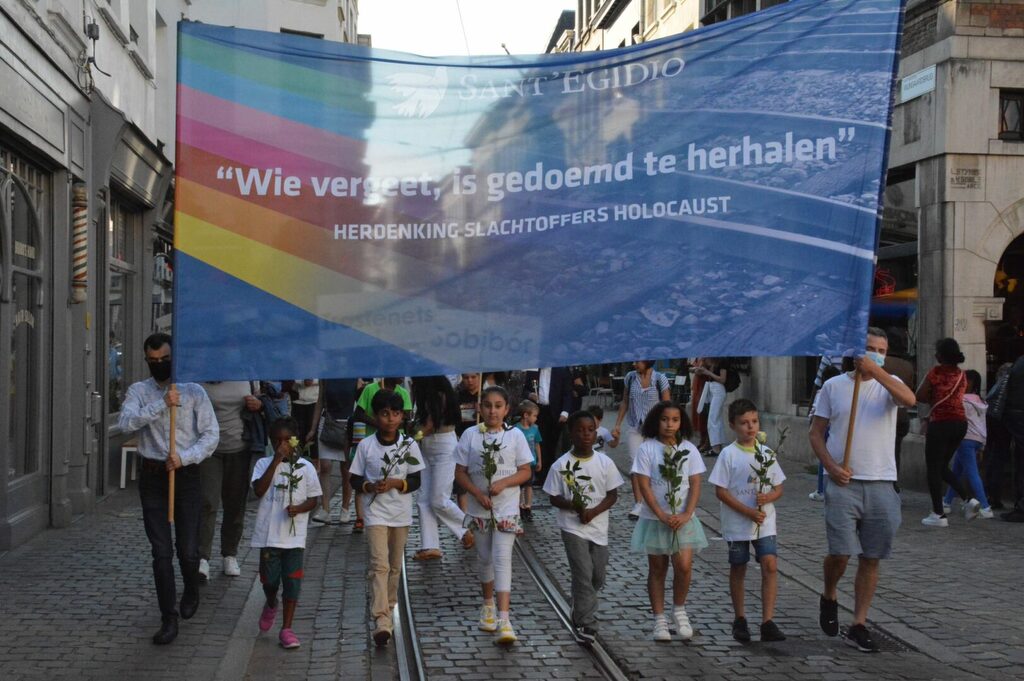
[432,27]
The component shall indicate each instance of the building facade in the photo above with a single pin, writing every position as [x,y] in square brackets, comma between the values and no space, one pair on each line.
[951,252]
[86,203]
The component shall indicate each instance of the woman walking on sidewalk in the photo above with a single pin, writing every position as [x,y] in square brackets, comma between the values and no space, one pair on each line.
[644,387]
[965,461]
[437,415]
[943,388]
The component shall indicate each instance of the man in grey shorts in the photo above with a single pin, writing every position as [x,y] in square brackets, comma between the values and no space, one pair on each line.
[862,509]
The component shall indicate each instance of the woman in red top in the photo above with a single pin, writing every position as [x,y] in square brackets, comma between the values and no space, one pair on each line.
[943,388]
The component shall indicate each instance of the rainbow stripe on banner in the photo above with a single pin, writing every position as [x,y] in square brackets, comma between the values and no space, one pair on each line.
[344,211]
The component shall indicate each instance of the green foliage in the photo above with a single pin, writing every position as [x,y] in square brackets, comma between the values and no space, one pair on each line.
[577,484]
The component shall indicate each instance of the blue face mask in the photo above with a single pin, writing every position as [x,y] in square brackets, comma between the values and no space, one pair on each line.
[876,357]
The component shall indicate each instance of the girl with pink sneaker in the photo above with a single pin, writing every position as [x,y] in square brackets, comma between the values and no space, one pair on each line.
[288,488]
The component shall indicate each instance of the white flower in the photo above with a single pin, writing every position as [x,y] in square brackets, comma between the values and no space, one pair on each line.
[418,436]
[762,437]
[482,427]
[293,441]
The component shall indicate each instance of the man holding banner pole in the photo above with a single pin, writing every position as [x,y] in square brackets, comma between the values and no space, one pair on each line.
[862,508]
[147,411]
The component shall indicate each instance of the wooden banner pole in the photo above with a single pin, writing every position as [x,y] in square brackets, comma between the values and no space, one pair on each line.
[170,455]
[853,418]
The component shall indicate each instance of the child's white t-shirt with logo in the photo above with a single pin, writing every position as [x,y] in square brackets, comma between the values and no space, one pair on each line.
[273,527]
[604,477]
[514,452]
[733,472]
[648,462]
[604,436]
[391,508]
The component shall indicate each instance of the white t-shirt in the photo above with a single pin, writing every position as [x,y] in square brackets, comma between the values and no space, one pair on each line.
[873,450]
[604,436]
[649,459]
[733,472]
[273,525]
[391,508]
[604,477]
[514,452]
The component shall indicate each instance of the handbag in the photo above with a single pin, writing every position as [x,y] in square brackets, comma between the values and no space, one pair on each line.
[333,433]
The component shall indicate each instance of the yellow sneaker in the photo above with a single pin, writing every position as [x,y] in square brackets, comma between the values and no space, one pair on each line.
[488,618]
[506,634]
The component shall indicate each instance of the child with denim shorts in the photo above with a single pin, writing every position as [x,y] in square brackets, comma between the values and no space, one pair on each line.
[748,517]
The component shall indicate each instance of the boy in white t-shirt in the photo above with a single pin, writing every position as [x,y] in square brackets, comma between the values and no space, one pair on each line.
[748,517]
[385,472]
[583,516]
[604,436]
[280,530]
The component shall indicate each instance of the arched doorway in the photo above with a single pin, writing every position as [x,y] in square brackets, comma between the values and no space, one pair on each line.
[1004,340]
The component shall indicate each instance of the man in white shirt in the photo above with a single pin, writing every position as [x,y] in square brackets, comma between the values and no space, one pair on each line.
[862,509]
[146,410]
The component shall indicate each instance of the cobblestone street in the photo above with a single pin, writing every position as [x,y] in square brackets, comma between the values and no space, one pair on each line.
[78,604]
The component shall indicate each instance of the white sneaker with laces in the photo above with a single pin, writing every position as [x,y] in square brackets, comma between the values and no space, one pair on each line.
[683,625]
[986,513]
[816,496]
[204,570]
[635,513]
[506,634]
[488,618]
[971,509]
[346,516]
[231,568]
[934,520]
[947,508]
[661,632]
[321,516]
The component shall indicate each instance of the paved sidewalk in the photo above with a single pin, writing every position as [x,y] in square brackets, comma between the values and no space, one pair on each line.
[79,604]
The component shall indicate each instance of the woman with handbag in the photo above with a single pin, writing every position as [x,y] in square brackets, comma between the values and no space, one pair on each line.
[943,388]
[329,428]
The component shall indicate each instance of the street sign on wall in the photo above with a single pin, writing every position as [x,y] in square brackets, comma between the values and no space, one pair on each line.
[347,211]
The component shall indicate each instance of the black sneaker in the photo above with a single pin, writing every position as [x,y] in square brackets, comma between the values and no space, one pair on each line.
[527,513]
[586,634]
[828,616]
[1014,516]
[771,632]
[860,638]
[740,630]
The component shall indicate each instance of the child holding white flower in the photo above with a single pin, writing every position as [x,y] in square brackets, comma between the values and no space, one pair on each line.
[385,472]
[667,469]
[583,485]
[280,531]
[747,489]
[492,461]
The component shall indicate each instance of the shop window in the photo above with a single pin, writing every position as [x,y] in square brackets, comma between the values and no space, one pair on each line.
[124,229]
[1011,115]
[163,286]
[22,222]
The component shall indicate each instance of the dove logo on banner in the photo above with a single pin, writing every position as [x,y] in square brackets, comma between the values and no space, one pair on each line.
[422,93]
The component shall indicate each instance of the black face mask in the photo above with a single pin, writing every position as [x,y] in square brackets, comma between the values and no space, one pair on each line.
[161,371]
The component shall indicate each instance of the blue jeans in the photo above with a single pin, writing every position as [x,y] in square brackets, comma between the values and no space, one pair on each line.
[965,463]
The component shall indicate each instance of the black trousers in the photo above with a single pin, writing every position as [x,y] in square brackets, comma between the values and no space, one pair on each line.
[940,443]
[188,504]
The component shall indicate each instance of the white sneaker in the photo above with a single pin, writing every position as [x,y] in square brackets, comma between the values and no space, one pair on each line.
[661,632]
[321,516]
[947,508]
[986,513]
[635,513]
[346,516]
[683,624]
[934,520]
[204,570]
[231,568]
[488,618]
[971,509]
[506,634]
[816,496]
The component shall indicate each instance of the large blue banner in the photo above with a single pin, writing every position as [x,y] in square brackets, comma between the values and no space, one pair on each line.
[344,211]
